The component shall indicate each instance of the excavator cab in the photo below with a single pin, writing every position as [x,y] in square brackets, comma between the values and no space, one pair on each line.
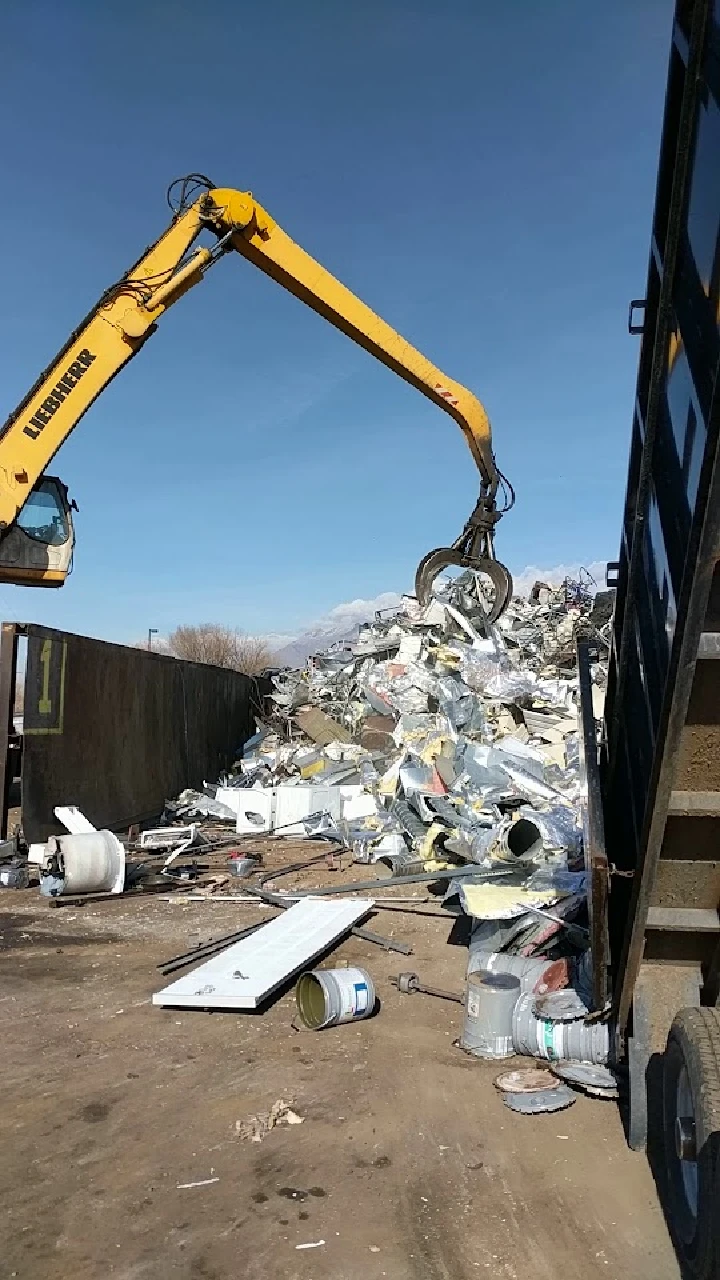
[37,549]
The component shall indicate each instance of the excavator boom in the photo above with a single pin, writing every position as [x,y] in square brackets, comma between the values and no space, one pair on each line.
[127,314]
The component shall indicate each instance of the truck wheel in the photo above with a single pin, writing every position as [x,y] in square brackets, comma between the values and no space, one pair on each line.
[691,1105]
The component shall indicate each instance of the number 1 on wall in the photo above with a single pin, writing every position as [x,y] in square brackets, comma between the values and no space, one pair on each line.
[45,703]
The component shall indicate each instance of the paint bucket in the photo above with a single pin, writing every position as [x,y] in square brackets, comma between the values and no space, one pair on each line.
[556,1041]
[326,997]
[489,1002]
[536,973]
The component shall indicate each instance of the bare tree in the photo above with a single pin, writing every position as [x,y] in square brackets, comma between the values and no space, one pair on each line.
[252,654]
[220,646]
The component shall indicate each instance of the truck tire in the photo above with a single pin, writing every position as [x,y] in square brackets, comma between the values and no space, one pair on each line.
[691,1115]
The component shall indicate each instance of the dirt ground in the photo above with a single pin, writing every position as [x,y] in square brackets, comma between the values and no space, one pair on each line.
[407,1165]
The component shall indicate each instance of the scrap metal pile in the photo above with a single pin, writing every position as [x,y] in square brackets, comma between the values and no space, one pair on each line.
[434,741]
[446,751]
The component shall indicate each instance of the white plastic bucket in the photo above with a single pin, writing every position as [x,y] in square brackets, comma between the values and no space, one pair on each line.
[326,997]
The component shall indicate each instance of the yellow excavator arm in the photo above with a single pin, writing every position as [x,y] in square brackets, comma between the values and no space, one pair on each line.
[127,314]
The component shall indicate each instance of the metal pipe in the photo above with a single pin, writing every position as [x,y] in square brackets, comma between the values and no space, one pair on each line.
[211,943]
[387,943]
[407,983]
[205,953]
[358,886]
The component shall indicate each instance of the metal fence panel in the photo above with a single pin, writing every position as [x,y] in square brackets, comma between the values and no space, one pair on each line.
[117,730]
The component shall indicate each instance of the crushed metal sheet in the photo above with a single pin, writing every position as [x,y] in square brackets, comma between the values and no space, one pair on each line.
[560,1006]
[245,974]
[500,901]
[542,1100]
[596,1080]
[195,804]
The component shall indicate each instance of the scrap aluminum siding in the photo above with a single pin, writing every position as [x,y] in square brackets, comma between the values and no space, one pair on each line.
[246,973]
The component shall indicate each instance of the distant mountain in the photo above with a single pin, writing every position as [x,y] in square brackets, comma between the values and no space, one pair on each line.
[341,623]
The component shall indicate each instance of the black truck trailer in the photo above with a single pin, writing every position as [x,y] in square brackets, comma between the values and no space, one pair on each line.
[653,771]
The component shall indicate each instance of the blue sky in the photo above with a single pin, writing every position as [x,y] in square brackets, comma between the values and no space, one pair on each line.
[481,175]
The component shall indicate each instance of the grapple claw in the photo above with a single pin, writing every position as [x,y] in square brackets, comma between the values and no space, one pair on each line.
[444,557]
[474,550]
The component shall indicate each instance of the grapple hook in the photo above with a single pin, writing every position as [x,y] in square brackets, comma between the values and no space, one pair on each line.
[472,550]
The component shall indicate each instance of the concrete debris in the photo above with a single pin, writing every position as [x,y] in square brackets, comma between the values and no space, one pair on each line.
[598,1081]
[540,1101]
[257,1127]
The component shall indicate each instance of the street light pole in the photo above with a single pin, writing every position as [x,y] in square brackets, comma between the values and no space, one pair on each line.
[152,631]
